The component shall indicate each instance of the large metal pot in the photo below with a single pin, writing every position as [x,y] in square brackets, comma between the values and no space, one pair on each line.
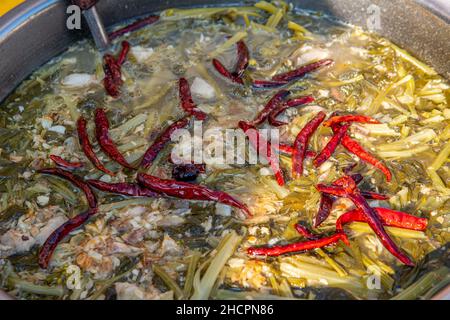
[34,32]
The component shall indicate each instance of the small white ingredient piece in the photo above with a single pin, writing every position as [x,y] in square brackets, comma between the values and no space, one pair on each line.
[78,80]
[58,129]
[202,89]
[141,54]
[43,200]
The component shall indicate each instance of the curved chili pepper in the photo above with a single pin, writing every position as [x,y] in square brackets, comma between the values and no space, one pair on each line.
[305,232]
[123,53]
[257,141]
[134,26]
[374,196]
[290,150]
[301,143]
[123,188]
[297,246]
[60,162]
[300,72]
[289,104]
[347,188]
[349,118]
[388,217]
[225,72]
[113,76]
[187,103]
[243,59]
[275,102]
[185,190]
[105,142]
[325,206]
[87,146]
[331,146]
[77,181]
[47,249]
[164,138]
[113,72]
[268,84]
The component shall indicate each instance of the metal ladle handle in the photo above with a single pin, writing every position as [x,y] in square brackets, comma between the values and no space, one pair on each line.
[94,21]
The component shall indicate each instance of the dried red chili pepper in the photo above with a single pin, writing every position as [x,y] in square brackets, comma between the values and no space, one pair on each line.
[305,232]
[134,26]
[301,143]
[77,181]
[60,162]
[290,150]
[113,76]
[369,195]
[160,142]
[113,72]
[275,102]
[388,217]
[189,191]
[346,187]
[300,72]
[87,147]
[258,143]
[123,188]
[297,246]
[331,146]
[105,142]
[349,118]
[289,104]
[123,53]
[47,249]
[225,72]
[325,206]
[243,59]
[268,84]
[187,103]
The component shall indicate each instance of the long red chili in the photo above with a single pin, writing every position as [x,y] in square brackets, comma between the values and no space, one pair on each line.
[346,187]
[47,249]
[305,232]
[290,150]
[60,162]
[77,181]
[87,146]
[325,206]
[331,146]
[349,118]
[123,53]
[268,84]
[225,72]
[243,58]
[275,102]
[185,190]
[113,72]
[355,148]
[123,188]
[297,246]
[105,142]
[258,143]
[113,75]
[301,143]
[164,138]
[300,72]
[288,104]
[388,217]
[187,103]
[134,26]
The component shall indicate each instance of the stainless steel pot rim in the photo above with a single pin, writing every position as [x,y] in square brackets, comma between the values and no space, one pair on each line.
[21,15]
